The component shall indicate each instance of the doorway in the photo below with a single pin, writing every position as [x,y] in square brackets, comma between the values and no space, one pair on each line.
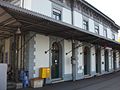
[98,60]
[114,60]
[106,61]
[86,60]
[56,68]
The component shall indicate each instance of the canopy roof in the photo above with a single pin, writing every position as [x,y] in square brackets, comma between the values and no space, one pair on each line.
[13,17]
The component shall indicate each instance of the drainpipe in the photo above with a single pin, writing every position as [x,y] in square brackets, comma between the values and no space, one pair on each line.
[72,9]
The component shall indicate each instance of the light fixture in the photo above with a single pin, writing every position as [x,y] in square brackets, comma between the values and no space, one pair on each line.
[18,31]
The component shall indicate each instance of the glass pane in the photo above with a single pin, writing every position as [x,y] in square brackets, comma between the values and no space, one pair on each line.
[85,24]
[57,14]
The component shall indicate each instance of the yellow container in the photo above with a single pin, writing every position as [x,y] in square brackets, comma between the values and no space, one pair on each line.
[44,72]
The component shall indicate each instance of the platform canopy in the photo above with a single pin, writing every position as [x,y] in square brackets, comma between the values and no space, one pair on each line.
[13,17]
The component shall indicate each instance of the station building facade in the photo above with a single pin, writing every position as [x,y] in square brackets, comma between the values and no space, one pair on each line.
[70,54]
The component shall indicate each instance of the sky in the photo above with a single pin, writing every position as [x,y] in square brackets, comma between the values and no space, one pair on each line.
[111,8]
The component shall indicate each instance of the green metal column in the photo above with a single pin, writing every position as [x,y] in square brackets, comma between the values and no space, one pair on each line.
[73,58]
[14,58]
[73,61]
[16,54]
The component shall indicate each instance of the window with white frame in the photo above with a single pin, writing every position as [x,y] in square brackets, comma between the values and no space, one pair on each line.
[57,14]
[105,32]
[97,29]
[85,25]
[113,36]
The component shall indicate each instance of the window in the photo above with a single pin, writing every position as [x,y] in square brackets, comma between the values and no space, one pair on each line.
[56,14]
[113,36]
[105,32]
[97,29]
[85,24]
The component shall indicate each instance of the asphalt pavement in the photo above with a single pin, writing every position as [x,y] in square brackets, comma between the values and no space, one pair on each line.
[104,82]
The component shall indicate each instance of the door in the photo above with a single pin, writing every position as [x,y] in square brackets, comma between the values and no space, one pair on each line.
[106,61]
[98,60]
[114,60]
[55,68]
[86,61]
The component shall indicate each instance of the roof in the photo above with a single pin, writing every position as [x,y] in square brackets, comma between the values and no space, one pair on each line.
[100,13]
[32,21]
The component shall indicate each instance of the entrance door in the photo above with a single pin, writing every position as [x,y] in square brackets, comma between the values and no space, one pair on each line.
[86,61]
[114,60]
[98,60]
[55,68]
[106,61]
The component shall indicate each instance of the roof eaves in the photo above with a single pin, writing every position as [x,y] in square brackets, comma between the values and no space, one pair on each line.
[99,12]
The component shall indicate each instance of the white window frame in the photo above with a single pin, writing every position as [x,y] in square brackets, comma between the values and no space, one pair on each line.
[105,32]
[57,14]
[113,36]
[85,24]
[96,29]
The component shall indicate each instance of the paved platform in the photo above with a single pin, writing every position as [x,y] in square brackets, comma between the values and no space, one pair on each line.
[105,82]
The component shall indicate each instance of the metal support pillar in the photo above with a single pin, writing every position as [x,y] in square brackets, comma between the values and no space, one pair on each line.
[73,61]
[21,63]
[16,54]
[14,59]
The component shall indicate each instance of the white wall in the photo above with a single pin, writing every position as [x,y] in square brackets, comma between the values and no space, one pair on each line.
[41,59]
[117,60]
[116,36]
[91,25]
[66,16]
[42,6]
[101,29]
[68,65]
[78,19]
[93,60]
[80,59]
[109,33]
[27,4]
[110,59]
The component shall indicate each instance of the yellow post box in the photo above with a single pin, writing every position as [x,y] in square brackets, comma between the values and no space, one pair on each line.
[44,72]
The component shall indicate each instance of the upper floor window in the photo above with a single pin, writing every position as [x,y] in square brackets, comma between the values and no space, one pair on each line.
[85,25]
[57,14]
[113,36]
[105,32]
[97,29]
